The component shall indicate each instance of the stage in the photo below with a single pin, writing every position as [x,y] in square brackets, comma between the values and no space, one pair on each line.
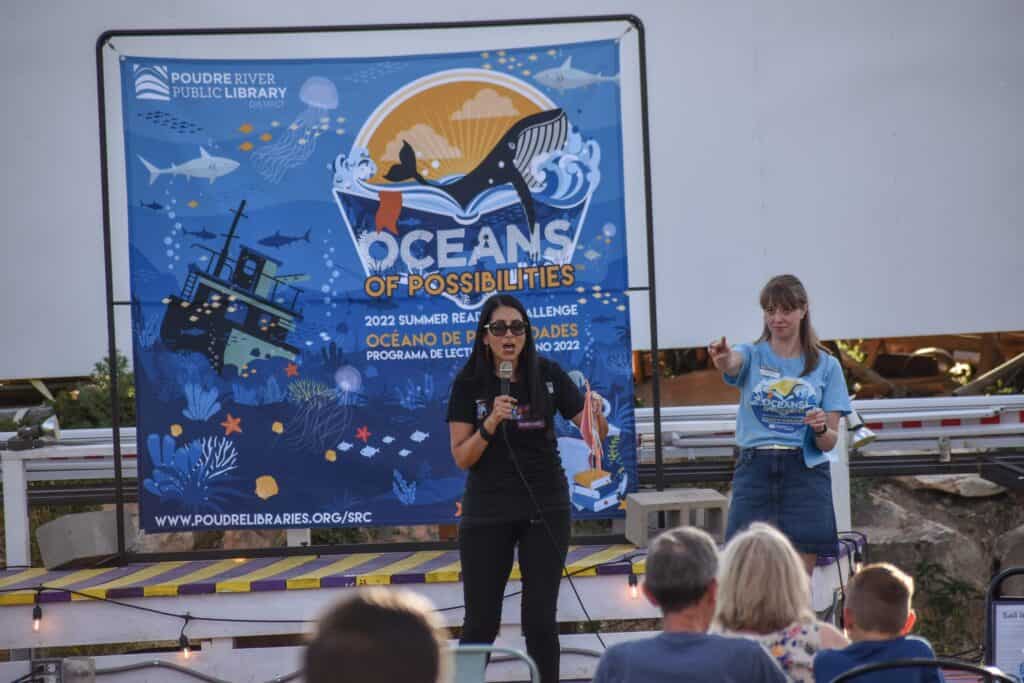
[261,599]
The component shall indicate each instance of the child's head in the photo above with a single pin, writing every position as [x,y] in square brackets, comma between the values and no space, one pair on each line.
[878,602]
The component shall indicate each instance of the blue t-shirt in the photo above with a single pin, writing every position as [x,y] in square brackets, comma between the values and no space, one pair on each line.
[774,398]
[690,657]
[830,663]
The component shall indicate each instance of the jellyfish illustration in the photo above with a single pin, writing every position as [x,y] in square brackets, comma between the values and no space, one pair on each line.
[298,143]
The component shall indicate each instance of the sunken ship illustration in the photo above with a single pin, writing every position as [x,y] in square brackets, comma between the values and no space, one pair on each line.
[235,309]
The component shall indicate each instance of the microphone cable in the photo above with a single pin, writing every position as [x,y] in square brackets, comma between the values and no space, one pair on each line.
[551,534]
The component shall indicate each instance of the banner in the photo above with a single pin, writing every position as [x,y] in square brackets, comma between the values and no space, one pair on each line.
[311,243]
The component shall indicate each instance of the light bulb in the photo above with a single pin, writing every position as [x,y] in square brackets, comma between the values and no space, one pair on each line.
[186,649]
[37,617]
[634,588]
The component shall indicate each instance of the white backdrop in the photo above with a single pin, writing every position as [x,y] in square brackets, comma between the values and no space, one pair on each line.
[871,147]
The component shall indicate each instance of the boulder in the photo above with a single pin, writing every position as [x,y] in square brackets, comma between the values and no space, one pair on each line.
[900,534]
[1010,553]
[965,485]
[243,539]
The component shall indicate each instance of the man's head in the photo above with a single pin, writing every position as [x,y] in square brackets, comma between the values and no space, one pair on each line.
[680,572]
[878,602]
[377,636]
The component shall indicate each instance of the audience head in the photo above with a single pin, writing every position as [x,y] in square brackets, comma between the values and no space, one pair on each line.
[377,636]
[762,584]
[680,571]
[878,601]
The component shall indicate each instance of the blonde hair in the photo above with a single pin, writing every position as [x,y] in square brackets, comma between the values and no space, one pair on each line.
[762,584]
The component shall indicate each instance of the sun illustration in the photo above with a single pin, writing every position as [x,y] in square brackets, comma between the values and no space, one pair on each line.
[452,120]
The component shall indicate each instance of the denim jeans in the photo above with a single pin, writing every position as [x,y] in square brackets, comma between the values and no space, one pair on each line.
[776,487]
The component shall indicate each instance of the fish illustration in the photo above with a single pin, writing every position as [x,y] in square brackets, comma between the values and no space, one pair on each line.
[156,206]
[418,436]
[405,452]
[565,77]
[344,446]
[203,166]
[509,161]
[591,255]
[388,439]
[279,240]
[369,451]
[203,234]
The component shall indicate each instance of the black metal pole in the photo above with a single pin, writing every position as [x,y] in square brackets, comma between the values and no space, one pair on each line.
[653,299]
[115,403]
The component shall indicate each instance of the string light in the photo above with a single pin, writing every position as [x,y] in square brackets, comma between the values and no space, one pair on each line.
[186,648]
[183,641]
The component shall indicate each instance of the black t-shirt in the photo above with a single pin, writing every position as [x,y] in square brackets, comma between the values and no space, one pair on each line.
[494,491]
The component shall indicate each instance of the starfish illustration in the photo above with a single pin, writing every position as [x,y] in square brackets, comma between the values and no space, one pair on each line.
[292,370]
[231,425]
[363,433]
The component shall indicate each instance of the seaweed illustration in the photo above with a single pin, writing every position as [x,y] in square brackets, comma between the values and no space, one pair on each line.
[319,421]
[202,403]
[246,396]
[404,491]
[273,393]
[196,475]
[147,330]
[413,395]
[331,358]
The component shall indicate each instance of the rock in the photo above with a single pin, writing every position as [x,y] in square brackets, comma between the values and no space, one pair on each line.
[907,538]
[242,539]
[1010,553]
[966,485]
[171,542]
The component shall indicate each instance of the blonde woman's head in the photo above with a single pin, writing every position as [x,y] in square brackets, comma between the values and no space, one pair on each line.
[762,584]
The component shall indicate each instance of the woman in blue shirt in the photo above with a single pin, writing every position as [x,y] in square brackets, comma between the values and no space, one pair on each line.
[792,394]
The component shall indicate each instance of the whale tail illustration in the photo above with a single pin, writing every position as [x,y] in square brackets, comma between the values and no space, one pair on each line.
[406,166]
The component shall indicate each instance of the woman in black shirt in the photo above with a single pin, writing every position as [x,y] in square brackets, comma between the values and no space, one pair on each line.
[516,493]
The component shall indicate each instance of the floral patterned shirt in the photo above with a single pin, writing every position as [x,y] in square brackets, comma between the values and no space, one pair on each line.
[793,647]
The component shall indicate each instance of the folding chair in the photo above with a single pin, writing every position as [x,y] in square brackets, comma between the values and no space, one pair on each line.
[980,673]
[470,662]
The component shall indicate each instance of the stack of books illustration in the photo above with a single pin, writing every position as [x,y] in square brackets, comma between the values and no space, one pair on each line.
[594,490]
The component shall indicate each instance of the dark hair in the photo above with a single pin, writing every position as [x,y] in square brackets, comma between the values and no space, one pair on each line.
[879,596]
[377,636]
[479,368]
[788,292]
[681,564]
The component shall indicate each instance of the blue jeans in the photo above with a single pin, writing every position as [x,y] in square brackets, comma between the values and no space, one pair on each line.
[776,487]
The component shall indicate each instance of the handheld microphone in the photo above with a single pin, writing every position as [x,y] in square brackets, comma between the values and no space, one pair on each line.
[505,373]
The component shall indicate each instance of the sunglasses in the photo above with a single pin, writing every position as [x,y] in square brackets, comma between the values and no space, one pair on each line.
[499,327]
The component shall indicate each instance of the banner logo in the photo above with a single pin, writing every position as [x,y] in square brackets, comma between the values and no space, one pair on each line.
[466,183]
[152,82]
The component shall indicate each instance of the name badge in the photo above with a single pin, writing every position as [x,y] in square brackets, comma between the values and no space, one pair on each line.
[770,373]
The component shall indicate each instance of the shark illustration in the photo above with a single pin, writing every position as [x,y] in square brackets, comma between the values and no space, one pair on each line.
[203,234]
[156,206]
[509,161]
[279,240]
[565,77]
[203,166]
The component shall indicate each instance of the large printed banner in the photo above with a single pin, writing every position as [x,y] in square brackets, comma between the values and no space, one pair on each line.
[311,243]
